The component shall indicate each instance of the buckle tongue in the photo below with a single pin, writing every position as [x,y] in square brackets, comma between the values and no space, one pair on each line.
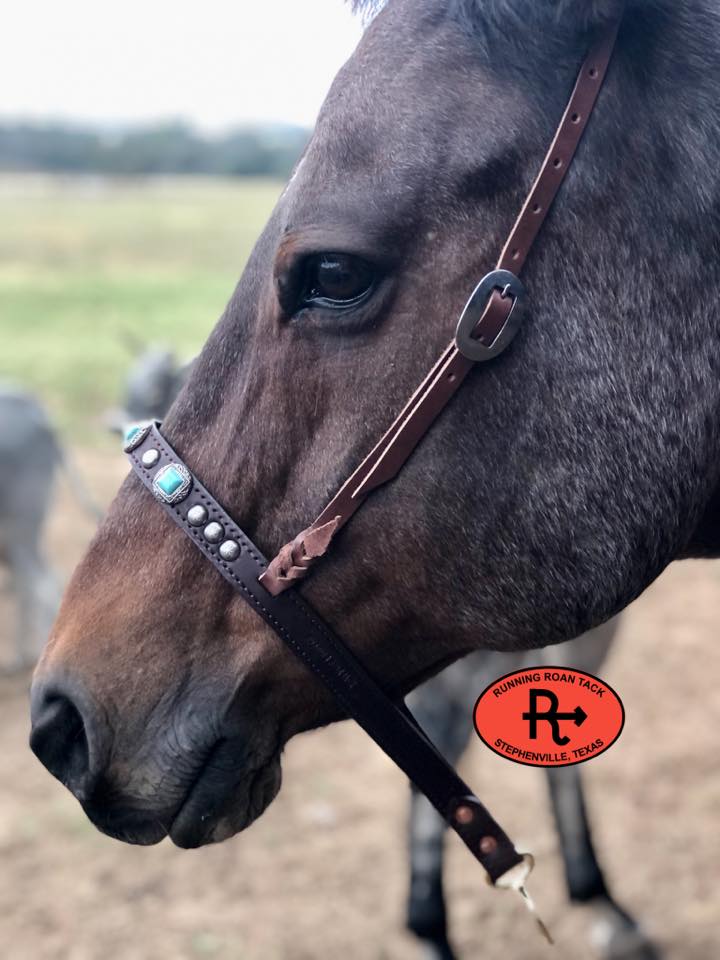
[467,337]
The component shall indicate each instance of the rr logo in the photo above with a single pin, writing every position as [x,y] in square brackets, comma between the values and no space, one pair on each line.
[552,715]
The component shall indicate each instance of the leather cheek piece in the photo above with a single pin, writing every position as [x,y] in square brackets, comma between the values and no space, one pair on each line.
[443,381]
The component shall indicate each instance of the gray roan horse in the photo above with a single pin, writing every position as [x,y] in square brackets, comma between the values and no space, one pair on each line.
[556,486]
[30,455]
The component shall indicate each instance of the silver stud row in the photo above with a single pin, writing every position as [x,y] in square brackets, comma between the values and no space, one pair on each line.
[214,532]
[197,516]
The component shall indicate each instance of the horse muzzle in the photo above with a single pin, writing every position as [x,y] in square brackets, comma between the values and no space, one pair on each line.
[191,785]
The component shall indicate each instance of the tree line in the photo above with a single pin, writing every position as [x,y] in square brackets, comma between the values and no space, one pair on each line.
[257,150]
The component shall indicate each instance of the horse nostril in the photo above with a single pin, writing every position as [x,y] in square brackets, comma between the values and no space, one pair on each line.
[59,740]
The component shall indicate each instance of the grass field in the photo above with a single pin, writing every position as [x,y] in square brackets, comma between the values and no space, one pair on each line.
[88,266]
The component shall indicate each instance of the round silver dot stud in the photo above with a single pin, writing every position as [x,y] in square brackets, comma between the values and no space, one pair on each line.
[197,515]
[229,550]
[150,458]
[213,532]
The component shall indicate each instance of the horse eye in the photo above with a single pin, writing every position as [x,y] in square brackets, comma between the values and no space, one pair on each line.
[336,280]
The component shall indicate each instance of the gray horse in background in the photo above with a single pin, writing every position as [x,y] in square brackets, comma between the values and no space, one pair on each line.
[152,382]
[443,706]
[29,457]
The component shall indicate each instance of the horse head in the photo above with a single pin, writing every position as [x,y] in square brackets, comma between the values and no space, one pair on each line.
[559,482]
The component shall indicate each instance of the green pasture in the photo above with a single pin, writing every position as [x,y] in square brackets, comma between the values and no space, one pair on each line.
[90,268]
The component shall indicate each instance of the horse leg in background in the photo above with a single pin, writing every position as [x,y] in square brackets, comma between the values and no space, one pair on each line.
[615,933]
[37,589]
[441,708]
[29,458]
[37,593]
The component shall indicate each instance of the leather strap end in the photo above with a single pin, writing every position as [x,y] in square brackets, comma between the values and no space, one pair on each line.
[316,540]
[294,560]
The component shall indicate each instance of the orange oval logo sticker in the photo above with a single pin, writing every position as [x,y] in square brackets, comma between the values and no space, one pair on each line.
[549,716]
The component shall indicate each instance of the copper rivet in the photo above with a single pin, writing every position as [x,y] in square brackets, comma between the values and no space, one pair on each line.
[488,845]
[464,815]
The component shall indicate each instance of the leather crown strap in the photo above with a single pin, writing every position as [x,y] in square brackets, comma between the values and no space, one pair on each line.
[484,329]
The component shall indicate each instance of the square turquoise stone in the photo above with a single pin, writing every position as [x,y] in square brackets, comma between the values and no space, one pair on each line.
[170,481]
[172,484]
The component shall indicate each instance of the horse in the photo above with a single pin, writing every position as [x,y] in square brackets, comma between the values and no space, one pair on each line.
[559,482]
[442,706]
[151,384]
[30,455]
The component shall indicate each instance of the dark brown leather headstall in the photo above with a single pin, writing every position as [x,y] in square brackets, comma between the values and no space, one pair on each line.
[486,327]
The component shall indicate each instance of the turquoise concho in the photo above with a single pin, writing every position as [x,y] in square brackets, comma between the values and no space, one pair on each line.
[172,484]
[135,435]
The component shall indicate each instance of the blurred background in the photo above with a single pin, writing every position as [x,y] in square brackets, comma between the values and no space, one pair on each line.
[142,147]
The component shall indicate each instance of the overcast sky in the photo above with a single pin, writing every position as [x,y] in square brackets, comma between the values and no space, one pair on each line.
[214,62]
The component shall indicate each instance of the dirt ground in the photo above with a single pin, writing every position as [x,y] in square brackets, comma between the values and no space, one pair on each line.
[322,874]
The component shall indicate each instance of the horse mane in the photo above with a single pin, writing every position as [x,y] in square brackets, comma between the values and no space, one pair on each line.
[577,14]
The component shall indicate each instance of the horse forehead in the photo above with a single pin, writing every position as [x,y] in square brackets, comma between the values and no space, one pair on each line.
[384,135]
[372,161]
